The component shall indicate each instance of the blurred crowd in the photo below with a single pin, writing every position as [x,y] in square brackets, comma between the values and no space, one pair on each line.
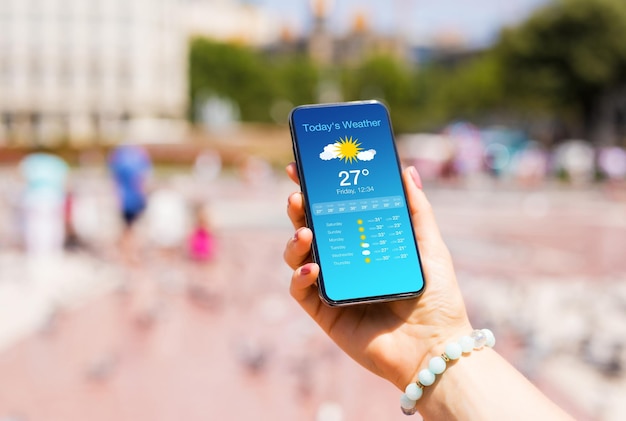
[121,211]
[464,151]
[48,207]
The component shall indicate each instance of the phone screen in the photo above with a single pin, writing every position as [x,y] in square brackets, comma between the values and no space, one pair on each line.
[355,203]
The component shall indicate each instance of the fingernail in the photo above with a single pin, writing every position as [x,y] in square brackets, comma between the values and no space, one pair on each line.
[416,177]
[296,234]
[305,270]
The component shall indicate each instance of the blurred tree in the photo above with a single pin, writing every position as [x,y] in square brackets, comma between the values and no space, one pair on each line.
[297,78]
[470,91]
[385,78]
[474,88]
[255,81]
[570,55]
[232,71]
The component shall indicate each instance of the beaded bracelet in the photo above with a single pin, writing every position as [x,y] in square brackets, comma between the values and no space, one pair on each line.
[437,365]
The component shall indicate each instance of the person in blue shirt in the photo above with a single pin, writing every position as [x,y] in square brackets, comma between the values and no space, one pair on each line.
[130,166]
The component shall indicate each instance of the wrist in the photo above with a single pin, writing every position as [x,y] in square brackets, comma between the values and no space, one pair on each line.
[434,345]
[438,360]
[430,342]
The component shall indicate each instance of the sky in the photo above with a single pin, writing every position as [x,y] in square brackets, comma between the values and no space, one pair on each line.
[477,21]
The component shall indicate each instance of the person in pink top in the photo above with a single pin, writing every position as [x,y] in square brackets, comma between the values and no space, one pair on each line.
[201,242]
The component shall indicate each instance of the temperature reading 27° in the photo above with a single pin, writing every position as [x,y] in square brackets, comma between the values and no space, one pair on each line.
[351,178]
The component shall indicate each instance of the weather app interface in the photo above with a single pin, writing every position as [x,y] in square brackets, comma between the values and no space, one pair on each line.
[359,214]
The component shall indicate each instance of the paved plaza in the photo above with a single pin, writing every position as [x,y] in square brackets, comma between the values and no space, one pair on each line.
[84,337]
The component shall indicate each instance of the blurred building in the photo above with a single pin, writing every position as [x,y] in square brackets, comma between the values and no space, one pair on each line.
[361,41]
[447,47]
[326,46]
[85,71]
[230,21]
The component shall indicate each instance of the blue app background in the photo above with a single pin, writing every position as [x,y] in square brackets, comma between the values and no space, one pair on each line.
[358,212]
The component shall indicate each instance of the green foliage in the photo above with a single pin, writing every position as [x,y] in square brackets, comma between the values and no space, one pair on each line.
[385,78]
[381,77]
[475,87]
[568,52]
[248,77]
[560,62]
[468,91]
[235,72]
[297,79]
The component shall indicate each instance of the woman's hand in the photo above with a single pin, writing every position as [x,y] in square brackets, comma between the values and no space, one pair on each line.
[395,339]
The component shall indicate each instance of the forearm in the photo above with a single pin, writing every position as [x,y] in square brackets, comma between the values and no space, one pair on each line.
[484,386]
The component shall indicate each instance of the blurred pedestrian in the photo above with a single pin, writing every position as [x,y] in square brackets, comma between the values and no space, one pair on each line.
[206,169]
[612,167]
[612,163]
[574,161]
[71,241]
[207,166]
[202,249]
[131,167]
[201,244]
[531,165]
[256,172]
[468,149]
[43,200]
[168,219]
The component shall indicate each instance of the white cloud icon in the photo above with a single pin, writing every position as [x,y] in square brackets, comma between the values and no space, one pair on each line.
[348,150]
[330,152]
[366,155]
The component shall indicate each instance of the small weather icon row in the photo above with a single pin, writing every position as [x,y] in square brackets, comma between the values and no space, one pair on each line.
[364,245]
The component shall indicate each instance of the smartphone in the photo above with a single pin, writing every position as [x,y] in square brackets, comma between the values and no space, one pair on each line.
[355,203]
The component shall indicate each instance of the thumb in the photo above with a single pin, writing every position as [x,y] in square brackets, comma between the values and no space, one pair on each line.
[424,223]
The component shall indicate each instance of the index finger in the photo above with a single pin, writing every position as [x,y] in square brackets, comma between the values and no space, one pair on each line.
[292,172]
[295,210]
[295,204]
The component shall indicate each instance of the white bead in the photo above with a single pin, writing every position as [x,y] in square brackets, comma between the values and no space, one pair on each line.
[406,402]
[467,344]
[491,339]
[453,351]
[479,338]
[413,391]
[437,365]
[426,377]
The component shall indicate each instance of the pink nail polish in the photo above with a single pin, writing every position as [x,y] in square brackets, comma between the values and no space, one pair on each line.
[416,177]
[305,270]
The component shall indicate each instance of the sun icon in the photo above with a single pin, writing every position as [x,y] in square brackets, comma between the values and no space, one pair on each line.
[347,149]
